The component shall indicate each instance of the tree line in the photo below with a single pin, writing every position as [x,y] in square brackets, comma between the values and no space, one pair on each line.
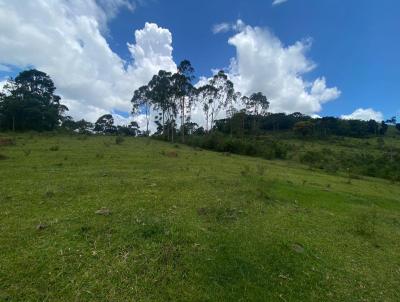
[29,102]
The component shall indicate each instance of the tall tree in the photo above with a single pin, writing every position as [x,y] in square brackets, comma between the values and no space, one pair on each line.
[206,95]
[257,104]
[160,95]
[183,91]
[142,102]
[225,94]
[29,102]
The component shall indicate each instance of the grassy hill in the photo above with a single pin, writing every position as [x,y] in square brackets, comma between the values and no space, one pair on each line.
[86,219]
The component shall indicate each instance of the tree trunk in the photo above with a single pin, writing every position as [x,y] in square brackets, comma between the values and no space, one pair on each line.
[207,121]
[172,133]
[230,126]
[212,120]
[147,121]
[13,123]
[183,120]
[243,117]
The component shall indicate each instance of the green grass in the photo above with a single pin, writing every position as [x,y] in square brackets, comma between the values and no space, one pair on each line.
[188,225]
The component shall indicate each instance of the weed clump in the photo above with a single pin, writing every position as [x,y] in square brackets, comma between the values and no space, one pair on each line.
[119,140]
[261,170]
[27,152]
[365,224]
[245,171]
[54,148]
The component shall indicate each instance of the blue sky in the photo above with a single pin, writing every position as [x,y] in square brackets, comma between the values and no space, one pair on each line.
[355,44]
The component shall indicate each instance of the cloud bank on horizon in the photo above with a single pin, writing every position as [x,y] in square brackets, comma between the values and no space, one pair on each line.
[364,115]
[67,40]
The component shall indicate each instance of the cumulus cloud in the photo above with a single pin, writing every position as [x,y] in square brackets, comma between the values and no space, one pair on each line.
[65,39]
[364,115]
[277,2]
[264,64]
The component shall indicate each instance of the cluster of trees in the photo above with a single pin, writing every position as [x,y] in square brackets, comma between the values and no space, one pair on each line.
[172,96]
[103,125]
[29,102]
[243,124]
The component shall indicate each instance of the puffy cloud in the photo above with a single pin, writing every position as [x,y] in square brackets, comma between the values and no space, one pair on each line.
[264,64]
[364,115]
[65,39]
[277,2]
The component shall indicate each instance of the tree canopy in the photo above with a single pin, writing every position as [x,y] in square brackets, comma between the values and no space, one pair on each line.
[29,102]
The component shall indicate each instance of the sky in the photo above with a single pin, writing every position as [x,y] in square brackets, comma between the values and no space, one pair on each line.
[319,57]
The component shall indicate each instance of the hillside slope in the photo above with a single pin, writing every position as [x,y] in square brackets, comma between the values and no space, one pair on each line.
[182,224]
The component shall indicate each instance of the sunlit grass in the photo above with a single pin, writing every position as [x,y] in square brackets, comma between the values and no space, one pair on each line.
[178,224]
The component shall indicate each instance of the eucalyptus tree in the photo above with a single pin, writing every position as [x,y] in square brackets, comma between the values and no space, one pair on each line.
[216,95]
[206,95]
[141,101]
[183,92]
[160,95]
[257,104]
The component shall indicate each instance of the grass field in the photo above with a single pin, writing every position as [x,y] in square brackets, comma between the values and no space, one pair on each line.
[182,224]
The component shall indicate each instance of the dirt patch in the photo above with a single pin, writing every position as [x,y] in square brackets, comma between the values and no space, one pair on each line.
[171,154]
[7,142]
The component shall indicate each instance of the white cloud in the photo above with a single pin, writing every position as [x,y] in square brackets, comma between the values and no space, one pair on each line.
[4,68]
[277,2]
[364,115]
[264,64]
[221,28]
[65,39]
[2,83]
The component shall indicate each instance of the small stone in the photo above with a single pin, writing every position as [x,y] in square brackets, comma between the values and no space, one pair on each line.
[103,211]
[298,248]
[41,226]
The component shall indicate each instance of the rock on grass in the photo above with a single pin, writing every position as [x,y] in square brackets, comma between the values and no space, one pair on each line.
[103,211]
